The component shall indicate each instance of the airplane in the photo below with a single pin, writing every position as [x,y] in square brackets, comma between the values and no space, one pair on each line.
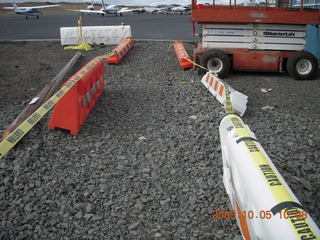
[180,9]
[138,10]
[29,11]
[143,10]
[90,7]
[151,9]
[109,9]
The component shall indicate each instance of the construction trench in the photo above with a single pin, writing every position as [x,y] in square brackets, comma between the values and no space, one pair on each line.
[147,161]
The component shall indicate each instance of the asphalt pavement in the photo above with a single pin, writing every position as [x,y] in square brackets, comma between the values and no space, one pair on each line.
[143,26]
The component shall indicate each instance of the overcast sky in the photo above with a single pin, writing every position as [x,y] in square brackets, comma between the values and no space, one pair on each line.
[119,2]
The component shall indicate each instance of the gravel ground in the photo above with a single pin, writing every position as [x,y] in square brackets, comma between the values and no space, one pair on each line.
[147,162]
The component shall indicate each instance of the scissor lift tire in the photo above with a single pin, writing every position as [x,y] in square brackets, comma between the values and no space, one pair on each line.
[217,61]
[302,65]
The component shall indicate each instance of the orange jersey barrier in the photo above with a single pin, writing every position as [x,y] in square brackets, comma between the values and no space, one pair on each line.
[182,54]
[74,107]
[121,50]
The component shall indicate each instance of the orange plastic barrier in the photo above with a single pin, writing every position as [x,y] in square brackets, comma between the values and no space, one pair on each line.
[121,50]
[74,107]
[181,53]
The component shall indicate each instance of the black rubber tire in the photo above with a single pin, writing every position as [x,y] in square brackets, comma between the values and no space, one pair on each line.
[219,54]
[293,61]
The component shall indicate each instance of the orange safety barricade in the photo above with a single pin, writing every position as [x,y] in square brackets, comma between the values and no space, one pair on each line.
[182,54]
[74,107]
[121,50]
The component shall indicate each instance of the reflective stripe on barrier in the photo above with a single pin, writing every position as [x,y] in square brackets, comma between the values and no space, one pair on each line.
[254,184]
[182,55]
[73,109]
[217,88]
[120,51]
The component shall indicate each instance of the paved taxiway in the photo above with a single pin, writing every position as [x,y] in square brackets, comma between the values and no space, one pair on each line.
[143,26]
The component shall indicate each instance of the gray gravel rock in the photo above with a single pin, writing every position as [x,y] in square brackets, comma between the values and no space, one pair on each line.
[147,162]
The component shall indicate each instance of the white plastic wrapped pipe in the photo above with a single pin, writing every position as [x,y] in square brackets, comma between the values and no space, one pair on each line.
[254,185]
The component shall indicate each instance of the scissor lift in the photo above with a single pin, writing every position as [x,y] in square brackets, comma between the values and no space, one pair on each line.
[255,38]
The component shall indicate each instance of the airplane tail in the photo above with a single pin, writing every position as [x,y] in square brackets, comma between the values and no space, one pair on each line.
[15,6]
[102,2]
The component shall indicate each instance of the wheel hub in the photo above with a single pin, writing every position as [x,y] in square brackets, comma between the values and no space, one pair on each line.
[215,65]
[304,66]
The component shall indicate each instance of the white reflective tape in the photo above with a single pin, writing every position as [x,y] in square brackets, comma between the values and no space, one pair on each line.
[95,87]
[84,101]
[88,97]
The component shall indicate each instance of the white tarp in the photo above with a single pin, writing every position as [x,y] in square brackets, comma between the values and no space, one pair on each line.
[108,35]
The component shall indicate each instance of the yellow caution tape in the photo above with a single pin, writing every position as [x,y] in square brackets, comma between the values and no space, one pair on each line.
[271,177]
[82,45]
[108,55]
[229,108]
[196,64]
[14,137]
[80,30]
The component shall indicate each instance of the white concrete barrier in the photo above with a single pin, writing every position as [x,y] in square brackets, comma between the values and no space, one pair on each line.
[265,206]
[108,35]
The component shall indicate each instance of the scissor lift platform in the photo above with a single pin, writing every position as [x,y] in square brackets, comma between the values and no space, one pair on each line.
[243,14]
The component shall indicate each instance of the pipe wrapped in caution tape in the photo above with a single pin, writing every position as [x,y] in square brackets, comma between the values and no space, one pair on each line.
[265,206]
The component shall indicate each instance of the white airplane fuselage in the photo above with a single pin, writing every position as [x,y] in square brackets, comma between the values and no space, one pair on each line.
[31,12]
[110,10]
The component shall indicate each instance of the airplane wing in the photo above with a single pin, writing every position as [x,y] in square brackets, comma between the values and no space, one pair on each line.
[33,7]
[87,11]
[138,10]
[124,10]
[45,6]
[150,9]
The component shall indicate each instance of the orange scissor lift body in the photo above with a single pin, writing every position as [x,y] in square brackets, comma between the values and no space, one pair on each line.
[255,38]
